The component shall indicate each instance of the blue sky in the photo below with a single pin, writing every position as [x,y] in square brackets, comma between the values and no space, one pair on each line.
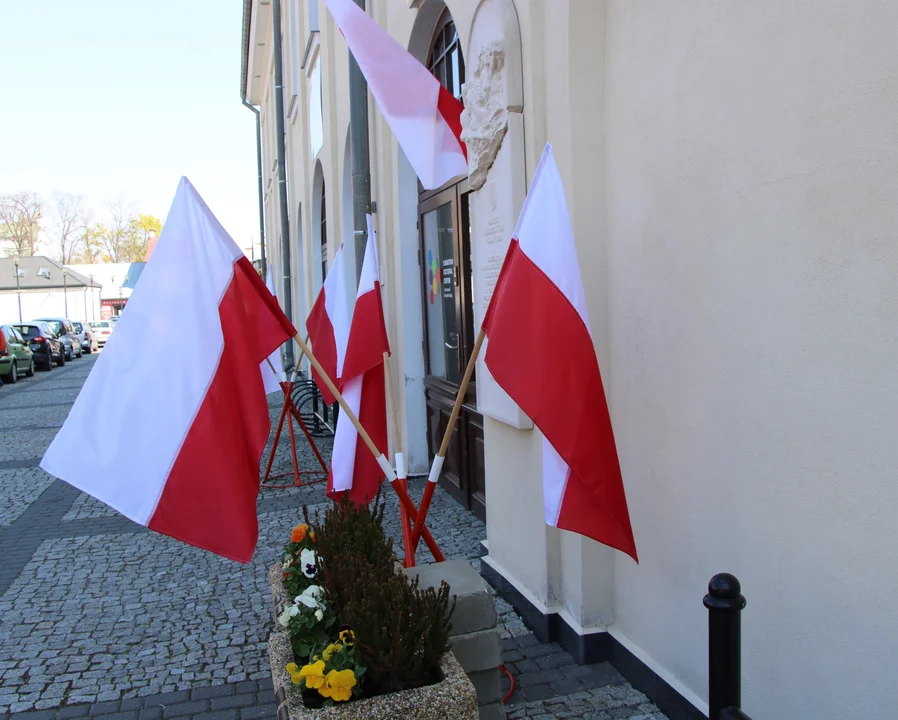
[120,98]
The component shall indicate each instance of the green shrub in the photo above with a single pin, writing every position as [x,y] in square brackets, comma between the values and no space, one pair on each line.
[401,630]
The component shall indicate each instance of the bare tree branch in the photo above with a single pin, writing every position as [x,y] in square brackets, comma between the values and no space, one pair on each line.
[71,222]
[20,217]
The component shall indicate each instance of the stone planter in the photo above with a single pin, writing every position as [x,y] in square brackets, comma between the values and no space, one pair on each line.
[453,697]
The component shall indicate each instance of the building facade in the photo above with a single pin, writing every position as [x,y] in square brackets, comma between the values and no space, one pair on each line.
[731,176]
[36,286]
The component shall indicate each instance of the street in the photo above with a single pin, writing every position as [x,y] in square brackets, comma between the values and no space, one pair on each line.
[100,617]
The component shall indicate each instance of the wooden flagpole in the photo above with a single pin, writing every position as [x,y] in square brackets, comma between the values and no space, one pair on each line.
[366,438]
[437,466]
[409,560]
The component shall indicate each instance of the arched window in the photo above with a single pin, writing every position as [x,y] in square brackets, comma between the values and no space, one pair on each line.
[445,60]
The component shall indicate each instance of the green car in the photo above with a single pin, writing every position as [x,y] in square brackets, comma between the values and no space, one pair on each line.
[18,358]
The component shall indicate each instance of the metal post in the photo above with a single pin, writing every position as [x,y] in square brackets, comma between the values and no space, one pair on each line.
[65,290]
[18,289]
[724,602]
[93,312]
[280,133]
[361,170]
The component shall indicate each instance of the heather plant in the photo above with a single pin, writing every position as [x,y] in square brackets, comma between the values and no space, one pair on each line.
[401,630]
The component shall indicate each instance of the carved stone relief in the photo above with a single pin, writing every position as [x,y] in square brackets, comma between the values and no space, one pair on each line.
[485,118]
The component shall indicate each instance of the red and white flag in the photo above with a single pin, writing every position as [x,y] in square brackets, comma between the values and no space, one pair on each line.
[328,325]
[273,367]
[353,467]
[178,450]
[423,115]
[541,353]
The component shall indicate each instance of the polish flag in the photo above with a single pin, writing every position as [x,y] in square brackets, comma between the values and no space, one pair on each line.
[178,450]
[272,378]
[423,115]
[328,326]
[541,353]
[353,468]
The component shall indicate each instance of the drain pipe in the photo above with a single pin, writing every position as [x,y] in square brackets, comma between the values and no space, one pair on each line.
[361,169]
[282,172]
[261,194]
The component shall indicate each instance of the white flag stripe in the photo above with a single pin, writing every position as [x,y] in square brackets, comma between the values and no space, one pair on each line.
[336,301]
[271,379]
[102,422]
[407,94]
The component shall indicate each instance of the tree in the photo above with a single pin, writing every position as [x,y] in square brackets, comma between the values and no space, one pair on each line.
[20,218]
[71,224]
[126,237]
[91,247]
[118,235]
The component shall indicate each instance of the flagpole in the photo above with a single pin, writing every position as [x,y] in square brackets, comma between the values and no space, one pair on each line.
[378,455]
[400,466]
[437,466]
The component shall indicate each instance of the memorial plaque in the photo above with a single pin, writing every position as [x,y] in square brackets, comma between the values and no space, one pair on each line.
[494,210]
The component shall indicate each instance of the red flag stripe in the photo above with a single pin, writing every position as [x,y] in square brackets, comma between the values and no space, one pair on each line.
[209,498]
[558,384]
[321,335]
[367,335]
[367,475]
[450,108]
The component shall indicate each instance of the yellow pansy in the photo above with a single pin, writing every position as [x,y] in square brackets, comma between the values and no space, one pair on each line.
[339,685]
[347,637]
[313,674]
[293,669]
[330,650]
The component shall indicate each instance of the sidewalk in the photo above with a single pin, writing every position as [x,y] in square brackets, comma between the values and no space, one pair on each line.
[101,618]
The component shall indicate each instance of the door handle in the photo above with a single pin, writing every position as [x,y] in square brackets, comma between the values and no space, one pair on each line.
[452,347]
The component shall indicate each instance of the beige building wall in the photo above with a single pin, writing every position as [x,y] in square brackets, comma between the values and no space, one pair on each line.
[732,178]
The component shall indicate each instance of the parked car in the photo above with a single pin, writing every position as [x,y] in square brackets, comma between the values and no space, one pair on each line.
[65,331]
[17,359]
[88,339]
[102,330]
[44,344]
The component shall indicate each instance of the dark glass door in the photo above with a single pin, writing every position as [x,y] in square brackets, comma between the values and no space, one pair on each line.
[449,335]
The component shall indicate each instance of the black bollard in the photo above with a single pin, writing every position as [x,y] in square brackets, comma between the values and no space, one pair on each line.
[725,603]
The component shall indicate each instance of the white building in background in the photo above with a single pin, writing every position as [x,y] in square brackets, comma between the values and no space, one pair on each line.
[732,178]
[41,287]
[118,281]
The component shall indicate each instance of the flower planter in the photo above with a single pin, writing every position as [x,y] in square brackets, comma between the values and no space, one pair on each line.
[453,697]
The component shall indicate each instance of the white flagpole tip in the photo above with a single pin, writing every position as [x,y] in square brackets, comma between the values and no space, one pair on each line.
[436,469]
[386,467]
[400,466]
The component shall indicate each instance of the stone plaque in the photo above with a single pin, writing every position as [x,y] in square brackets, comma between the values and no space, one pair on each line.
[494,211]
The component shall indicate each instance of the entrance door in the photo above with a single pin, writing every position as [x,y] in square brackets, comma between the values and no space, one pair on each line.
[449,339]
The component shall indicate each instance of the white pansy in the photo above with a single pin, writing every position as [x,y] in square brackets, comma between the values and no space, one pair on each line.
[293,610]
[284,618]
[313,591]
[309,602]
[287,564]
[308,562]
[319,615]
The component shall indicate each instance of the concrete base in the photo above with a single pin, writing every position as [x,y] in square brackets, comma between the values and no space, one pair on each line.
[474,637]
[474,608]
[488,684]
[495,711]
[476,651]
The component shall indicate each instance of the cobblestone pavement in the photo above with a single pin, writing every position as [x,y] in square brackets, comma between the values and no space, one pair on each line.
[99,617]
